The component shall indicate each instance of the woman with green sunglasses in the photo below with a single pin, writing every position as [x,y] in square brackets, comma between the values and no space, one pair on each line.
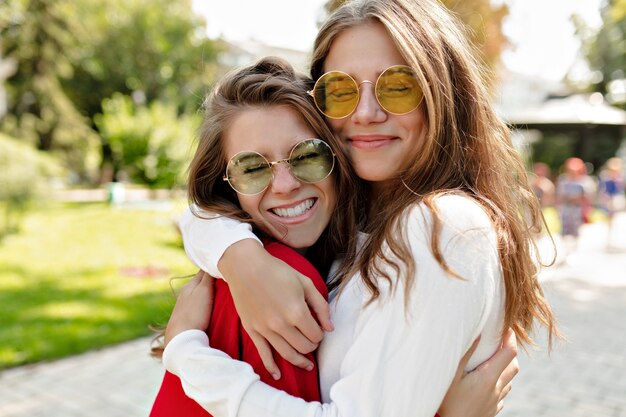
[255,113]
[449,223]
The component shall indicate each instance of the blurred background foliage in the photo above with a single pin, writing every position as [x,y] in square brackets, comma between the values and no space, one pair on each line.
[150,144]
[66,58]
[23,178]
[102,91]
[64,66]
[605,51]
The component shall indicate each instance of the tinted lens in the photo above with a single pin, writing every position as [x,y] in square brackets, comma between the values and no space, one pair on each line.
[248,173]
[397,90]
[311,160]
[336,94]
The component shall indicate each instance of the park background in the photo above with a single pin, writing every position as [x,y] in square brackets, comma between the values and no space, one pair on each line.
[99,106]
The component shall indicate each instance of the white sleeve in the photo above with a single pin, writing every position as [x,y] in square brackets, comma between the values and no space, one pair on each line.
[400,362]
[206,239]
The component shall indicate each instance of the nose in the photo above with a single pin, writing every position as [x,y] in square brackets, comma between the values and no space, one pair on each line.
[368,110]
[283,181]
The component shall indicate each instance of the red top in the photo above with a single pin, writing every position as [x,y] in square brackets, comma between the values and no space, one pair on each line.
[228,335]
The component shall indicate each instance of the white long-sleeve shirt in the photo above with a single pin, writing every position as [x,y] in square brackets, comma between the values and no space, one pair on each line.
[382,359]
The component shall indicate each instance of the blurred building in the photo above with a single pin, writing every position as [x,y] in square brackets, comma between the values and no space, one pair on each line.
[539,109]
[236,54]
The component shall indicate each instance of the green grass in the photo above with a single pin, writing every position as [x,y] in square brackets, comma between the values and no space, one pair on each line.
[83,276]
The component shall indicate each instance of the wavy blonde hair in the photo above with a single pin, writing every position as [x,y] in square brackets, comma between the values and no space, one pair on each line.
[467,150]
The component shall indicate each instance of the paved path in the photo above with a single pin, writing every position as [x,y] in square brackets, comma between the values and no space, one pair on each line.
[585,377]
[120,381]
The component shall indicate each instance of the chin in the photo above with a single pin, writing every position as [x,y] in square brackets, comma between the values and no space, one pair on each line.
[299,244]
[372,172]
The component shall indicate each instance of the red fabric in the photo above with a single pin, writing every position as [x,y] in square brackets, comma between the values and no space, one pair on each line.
[227,334]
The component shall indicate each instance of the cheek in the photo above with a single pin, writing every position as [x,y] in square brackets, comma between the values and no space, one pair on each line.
[329,194]
[251,205]
[417,130]
[337,124]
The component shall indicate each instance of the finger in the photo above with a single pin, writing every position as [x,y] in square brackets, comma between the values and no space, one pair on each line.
[193,283]
[465,359]
[503,356]
[509,340]
[509,373]
[288,353]
[500,406]
[206,279]
[200,286]
[265,352]
[205,283]
[297,340]
[320,307]
[505,391]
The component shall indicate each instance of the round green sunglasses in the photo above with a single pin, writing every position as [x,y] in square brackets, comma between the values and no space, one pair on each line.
[310,161]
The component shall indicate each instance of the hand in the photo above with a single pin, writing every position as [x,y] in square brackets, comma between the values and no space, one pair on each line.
[193,306]
[273,302]
[481,392]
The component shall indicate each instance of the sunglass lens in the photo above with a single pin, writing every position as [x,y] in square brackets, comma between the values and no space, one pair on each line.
[248,173]
[398,91]
[312,160]
[336,94]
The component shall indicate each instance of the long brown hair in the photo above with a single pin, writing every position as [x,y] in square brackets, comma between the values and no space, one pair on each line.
[269,82]
[467,150]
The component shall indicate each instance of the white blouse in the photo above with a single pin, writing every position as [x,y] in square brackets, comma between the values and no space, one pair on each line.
[384,359]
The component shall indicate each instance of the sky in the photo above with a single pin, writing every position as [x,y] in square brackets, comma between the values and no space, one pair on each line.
[542,37]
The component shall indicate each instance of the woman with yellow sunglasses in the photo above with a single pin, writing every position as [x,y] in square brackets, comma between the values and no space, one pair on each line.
[448,223]
[257,113]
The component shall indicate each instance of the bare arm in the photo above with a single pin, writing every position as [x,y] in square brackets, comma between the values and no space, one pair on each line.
[226,248]
[281,318]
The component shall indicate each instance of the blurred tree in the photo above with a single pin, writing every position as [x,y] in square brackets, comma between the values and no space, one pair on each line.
[150,144]
[24,176]
[36,35]
[72,55]
[147,49]
[150,49]
[484,21]
[606,51]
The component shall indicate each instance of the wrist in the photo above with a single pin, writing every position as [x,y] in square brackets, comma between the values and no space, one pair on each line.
[231,265]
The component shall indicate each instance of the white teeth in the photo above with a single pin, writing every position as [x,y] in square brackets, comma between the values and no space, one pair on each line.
[294,211]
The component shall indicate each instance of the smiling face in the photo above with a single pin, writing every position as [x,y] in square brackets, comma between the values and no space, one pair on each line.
[380,144]
[289,210]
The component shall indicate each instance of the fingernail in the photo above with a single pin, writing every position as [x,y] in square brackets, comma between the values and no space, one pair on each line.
[276,375]
[309,367]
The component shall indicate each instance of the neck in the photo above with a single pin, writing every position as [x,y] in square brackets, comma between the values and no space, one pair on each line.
[374,192]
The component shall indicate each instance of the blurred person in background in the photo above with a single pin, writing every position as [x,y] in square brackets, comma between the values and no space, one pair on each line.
[542,184]
[611,197]
[571,200]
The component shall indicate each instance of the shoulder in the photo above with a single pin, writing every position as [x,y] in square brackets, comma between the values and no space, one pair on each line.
[457,212]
